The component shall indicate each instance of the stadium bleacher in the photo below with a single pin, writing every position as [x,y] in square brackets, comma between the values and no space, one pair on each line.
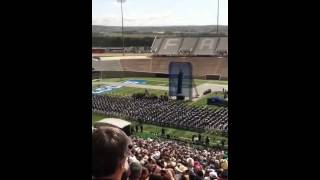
[187,46]
[112,65]
[170,46]
[202,66]
[192,46]
[222,45]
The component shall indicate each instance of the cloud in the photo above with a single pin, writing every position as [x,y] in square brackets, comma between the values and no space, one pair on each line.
[107,21]
[166,18]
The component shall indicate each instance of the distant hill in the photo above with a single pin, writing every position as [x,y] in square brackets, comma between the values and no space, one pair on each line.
[148,30]
[110,36]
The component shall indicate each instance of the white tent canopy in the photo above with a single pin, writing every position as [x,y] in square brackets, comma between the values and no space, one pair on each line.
[119,123]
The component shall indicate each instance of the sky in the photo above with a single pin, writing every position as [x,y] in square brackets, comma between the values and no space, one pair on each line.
[159,12]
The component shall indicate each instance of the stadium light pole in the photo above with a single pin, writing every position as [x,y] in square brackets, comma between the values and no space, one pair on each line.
[100,72]
[218,18]
[122,1]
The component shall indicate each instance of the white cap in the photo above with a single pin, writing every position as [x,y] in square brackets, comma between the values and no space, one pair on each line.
[190,162]
[213,174]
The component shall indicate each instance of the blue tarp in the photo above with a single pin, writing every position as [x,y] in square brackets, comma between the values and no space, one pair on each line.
[217,101]
[104,89]
[135,82]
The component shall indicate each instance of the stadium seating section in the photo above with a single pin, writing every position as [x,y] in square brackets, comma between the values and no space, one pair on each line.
[194,46]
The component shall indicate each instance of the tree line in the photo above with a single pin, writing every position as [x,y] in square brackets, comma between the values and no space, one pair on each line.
[113,41]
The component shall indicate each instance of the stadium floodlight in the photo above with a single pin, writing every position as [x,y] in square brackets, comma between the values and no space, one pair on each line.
[99,59]
[122,1]
[218,18]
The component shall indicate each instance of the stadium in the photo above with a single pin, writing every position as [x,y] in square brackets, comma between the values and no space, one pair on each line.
[207,55]
[160,92]
[167,133]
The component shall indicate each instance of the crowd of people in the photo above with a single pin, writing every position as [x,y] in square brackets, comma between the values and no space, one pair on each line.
[162,112]
[119,157]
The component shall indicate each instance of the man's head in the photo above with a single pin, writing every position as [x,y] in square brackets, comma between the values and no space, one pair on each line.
[135,170]
[224,175]
[213,175]
[144,173]
[190,162]
[110,148]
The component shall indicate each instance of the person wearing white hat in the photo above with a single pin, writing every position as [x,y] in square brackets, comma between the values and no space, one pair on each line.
[180,168]
[173,164]
[132,159]
[190,162]
[213,175]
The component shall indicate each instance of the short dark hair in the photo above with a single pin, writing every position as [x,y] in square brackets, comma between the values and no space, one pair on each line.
[135,170]
[155,177]
[109,146]
[144,172]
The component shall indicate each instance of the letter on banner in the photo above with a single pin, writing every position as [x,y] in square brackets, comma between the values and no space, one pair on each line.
[207,43]
[171,42]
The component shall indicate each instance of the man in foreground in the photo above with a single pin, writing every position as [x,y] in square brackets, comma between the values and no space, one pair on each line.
[110,151]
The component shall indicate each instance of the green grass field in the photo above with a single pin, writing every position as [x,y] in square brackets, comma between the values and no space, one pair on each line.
[149,130]
[97,117]
[202,102]
[161,81]
[128,91]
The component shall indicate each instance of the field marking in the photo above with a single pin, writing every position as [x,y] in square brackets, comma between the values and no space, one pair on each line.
[134,85]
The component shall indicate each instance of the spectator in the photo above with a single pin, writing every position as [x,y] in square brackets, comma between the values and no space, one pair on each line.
[155,177]
[135,170]
[222,143]
[167,174]
[146,92]
[158,158]
[213,175]
[132,129]
[224,175]
[184,177]
[207,141]
[110,150]
[162,131]
[174,160]
[144,174]
[192,138]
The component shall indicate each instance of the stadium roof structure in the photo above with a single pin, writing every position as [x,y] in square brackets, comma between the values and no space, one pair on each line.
[191,46]
[115,122]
